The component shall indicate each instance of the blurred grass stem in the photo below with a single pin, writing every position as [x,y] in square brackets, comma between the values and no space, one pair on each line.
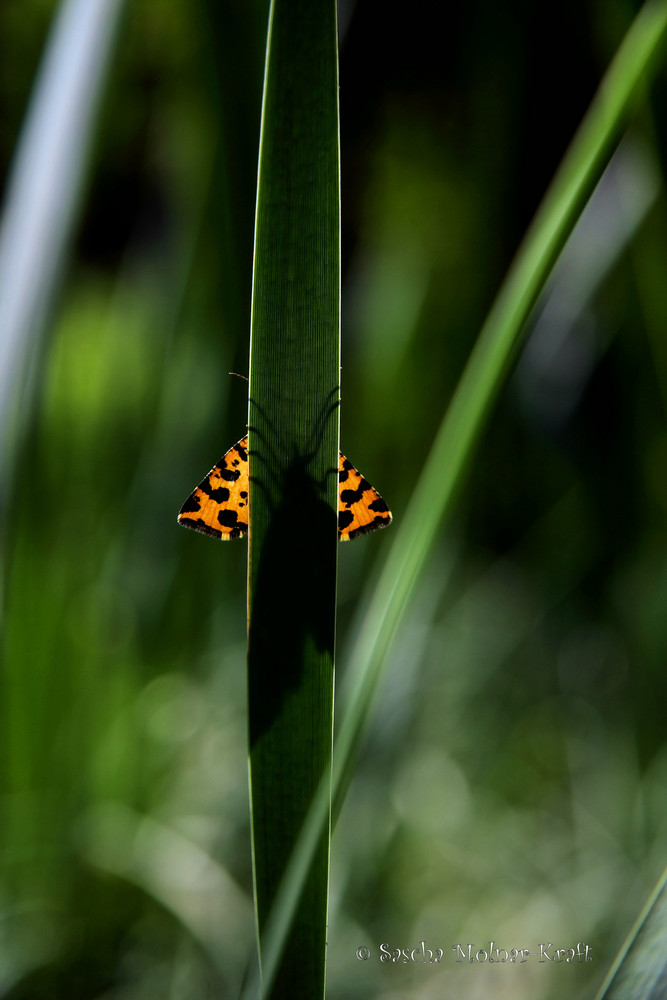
[491,358]
[45,184]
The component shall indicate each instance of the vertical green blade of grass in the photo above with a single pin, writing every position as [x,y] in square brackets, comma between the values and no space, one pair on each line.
[293,449]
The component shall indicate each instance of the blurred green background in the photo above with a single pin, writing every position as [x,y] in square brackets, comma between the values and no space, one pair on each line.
[512,786]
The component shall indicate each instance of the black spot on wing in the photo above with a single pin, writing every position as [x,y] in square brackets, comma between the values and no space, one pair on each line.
[348,497]
[379,506]
[229,475]
[344,473]
[218,493]
[345,519]
[228,518]
[242,452]
[191,505]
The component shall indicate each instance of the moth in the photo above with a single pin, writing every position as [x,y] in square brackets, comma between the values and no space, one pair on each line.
[219,505]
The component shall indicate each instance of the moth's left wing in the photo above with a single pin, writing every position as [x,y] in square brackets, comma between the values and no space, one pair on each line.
[219,505]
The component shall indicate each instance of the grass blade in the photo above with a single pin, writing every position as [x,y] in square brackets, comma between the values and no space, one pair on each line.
[47,175]
[490,360]
[293,448]
[640,971]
